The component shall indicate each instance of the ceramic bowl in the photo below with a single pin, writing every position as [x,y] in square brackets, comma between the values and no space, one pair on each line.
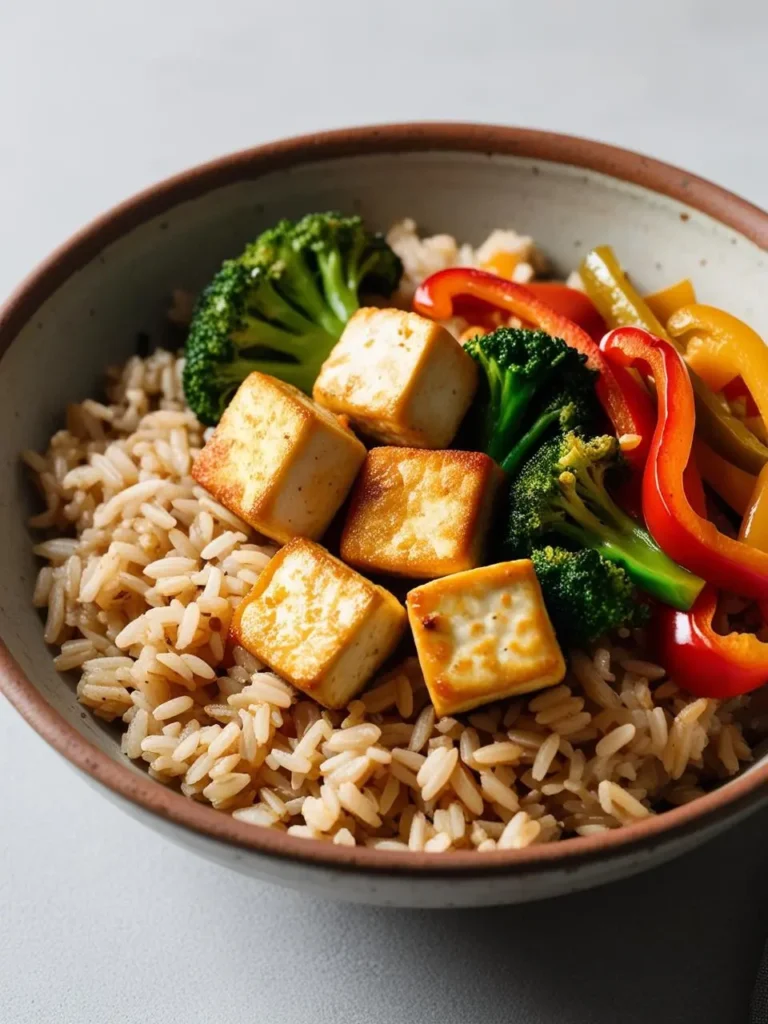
[84,307]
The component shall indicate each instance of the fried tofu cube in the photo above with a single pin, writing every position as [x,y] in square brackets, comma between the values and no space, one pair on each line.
[484,635]
[317,623]
[401,379]
[420,513]
[278,460]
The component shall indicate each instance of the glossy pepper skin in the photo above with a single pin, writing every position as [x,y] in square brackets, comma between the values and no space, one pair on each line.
[621,305]
[754,525]
[625,401]
[734,486]
[676,527]
[571,303]
[725,343]
[703,661]
[667,301]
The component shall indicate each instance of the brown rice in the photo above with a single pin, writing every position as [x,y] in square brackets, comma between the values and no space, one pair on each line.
[143,571]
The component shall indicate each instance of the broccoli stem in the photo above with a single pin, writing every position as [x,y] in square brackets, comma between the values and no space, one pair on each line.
[341,297]
[520,451]
[269,336]
[300,375]
[629,545]
[511,399]
[268,303]
[300,290]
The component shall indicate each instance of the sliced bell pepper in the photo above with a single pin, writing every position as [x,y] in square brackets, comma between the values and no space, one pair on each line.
[503,263]
[726,344]
[676,527]
[754,525]
[703,661]
[666,301]
[627,404]
[733,485]
[736,389]
[621,305]
[572,303]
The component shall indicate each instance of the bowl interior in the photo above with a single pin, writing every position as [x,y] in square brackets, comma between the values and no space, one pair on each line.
[98,314]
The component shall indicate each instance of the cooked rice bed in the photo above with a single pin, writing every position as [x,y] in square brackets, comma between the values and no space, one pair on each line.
[144,570]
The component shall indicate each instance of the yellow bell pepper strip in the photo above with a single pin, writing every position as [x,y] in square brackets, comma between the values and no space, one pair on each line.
[502,263]
[707,363]
[621,305]
[728,344]
[667,301]
[675,525]
[606,283]
[754,525]
[733,485]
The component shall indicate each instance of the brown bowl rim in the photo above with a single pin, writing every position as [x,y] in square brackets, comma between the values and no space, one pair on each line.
[729,209]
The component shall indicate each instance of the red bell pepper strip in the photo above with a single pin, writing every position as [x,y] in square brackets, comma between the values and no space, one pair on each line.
[571,303]
[736,389]
[676,527]
[703,661]
[625,401]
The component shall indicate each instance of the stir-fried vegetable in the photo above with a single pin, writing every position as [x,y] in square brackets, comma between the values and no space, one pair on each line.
[680,530]
[667,301]
[754,526]
[624,400]
[561,492]
[602,592]
[722,345]
[281,306]
[732,484]
[533,382]
[571,303]
[704,661]
[621,305]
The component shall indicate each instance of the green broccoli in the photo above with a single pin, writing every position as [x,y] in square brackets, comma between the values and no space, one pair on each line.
[560,491]
[523,369]
[585,594]
[281,306]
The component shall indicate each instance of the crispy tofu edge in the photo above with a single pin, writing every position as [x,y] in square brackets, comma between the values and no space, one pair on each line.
[475,526]
[441,337]
[395,415]
[215,453]
[381,600]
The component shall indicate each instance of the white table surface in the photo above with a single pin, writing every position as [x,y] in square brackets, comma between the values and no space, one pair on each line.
[101,921]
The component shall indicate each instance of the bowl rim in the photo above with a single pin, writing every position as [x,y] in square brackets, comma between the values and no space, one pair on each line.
[728,801]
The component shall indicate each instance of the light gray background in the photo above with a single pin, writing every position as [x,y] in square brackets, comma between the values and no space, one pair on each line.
[102,922]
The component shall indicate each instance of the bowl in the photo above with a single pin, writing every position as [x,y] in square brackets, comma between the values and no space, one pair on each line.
[86,305]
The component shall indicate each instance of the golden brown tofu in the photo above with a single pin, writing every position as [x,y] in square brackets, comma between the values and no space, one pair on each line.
[484,635]
[401,379]
[317,623]
[420,513]
[278,460]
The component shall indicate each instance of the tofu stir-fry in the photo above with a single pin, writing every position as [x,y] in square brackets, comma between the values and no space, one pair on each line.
[518,468]
[418,547]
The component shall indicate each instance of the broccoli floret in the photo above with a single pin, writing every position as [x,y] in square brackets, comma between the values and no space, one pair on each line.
[281,306]
[561,491]
[523,368]
[348,258]
[585,594]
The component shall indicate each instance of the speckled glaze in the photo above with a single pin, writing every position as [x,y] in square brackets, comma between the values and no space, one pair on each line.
[85,307]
